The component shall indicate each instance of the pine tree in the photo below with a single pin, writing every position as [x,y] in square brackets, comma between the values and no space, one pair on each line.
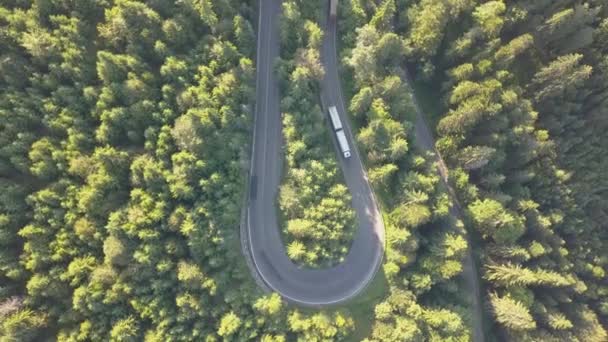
[511,313]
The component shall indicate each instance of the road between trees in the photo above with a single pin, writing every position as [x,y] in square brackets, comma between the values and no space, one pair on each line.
[262,235]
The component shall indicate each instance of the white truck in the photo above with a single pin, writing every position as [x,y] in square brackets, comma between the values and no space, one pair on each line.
[343,143]
[339,130]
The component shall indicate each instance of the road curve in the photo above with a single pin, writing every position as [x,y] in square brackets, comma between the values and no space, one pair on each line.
[264,244]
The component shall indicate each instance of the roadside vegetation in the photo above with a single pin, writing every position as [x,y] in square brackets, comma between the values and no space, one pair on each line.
[425,247]
[318,220]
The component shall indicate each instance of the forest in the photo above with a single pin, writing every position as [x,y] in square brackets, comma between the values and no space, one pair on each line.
[125,132]
[524,92]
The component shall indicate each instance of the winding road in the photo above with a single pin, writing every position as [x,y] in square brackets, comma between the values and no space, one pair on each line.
[263,238]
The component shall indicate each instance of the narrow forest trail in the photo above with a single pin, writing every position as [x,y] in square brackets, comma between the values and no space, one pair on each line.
[425,141]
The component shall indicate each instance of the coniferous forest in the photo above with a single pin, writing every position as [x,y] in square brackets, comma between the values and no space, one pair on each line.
[522,125]
[125,142]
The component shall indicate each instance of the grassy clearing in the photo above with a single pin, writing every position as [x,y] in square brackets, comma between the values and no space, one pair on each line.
[362,307]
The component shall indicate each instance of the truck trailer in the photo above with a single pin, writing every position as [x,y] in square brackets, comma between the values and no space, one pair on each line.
[335,118]
[333,8]
[339,130]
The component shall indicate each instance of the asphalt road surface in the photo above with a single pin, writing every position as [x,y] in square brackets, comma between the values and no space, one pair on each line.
[266,249]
